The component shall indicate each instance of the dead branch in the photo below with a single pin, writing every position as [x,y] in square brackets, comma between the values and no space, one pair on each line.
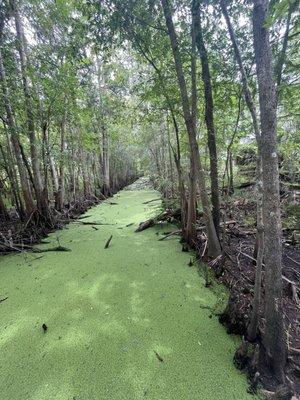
[294,351]
[253,259]
[83,217]
[231,222]
[57,248]
[171,234]
[20,247]
[151,201]
[5,298]
[92,223]
[158,356]
[294,261]
[108,242]
[203,252]
[295,294]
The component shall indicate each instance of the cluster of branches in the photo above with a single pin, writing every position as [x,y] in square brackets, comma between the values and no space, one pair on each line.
[58,110]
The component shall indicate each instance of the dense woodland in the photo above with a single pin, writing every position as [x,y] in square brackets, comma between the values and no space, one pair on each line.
[202,97]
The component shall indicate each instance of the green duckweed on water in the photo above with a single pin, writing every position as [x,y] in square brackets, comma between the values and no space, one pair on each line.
[108,312]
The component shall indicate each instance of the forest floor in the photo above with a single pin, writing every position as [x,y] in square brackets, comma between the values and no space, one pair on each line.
[132,321]
[237,271]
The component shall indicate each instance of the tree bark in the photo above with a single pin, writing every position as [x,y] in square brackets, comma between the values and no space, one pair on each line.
[209,114]
[105,163]
[213,241]
[4,216]
[9,163]
[60,197]
[274,337]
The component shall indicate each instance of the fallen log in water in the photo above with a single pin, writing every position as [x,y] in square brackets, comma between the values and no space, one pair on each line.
[170,234]
[166,216]
[20,247]
[151,201]
[92,223]
[145,225]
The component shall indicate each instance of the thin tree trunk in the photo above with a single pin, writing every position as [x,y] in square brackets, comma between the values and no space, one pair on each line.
[280,63]
[274,337]
[9,161]
[209,114]
[60,197]
[229,161]
[106,190]
[213,241]
[4,216]
[105,163]
[181,187]
[171,172]
[230,177]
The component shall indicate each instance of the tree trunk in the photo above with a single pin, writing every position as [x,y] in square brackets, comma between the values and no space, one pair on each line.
[60,197]
[190,233]
[181,187]
[105,163]
[213,241]
[274,337]
[9,162]
[230,178]
[209,114]
[106,190]
[4,216]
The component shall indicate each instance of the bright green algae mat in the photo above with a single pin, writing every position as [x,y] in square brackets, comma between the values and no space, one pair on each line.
[108,312]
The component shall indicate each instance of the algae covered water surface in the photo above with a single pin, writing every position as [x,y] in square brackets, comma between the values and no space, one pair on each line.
[126,323]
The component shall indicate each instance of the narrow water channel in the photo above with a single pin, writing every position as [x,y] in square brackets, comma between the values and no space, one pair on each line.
[132,321]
